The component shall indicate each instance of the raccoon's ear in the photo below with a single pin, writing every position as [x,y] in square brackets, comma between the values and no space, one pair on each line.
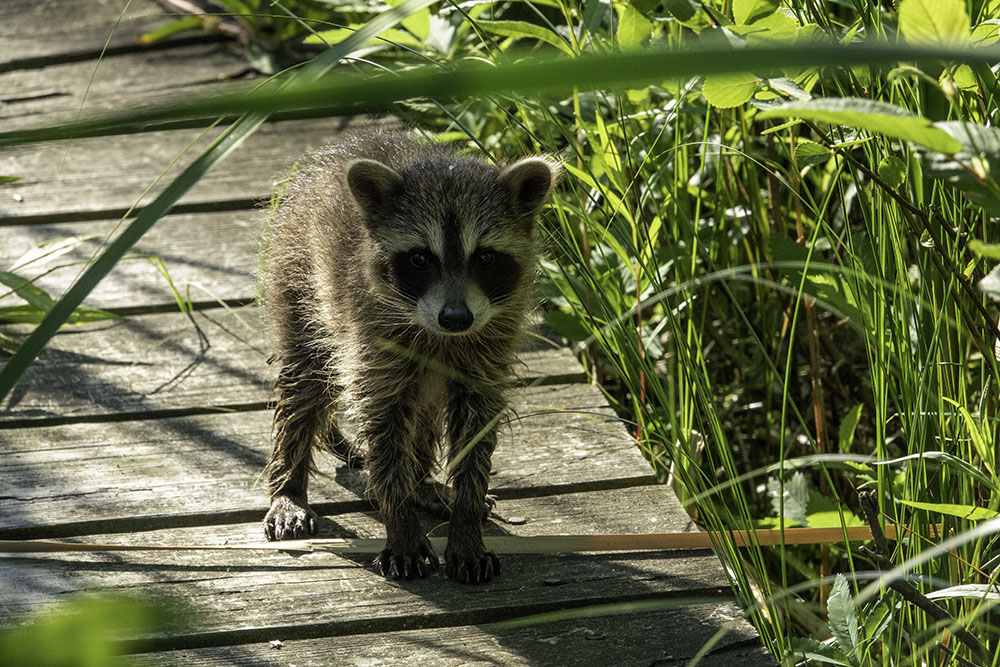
[531,180]
[371,183]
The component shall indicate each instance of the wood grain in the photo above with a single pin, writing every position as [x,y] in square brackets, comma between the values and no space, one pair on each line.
[39,32]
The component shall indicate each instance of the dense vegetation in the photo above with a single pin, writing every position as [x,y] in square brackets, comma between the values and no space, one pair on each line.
[780,276]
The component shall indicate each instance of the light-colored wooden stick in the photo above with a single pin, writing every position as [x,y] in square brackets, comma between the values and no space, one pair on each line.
[507,544]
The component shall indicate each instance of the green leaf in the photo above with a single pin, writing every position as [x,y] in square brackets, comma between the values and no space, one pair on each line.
[810,152]
[792,501]
[876,117]
[566,324]
[688,13]
[967,512]
[525,30]
[729,90]
[633,27]
[748,11]
[892,170]
[4,180]
[418,23]
[815,651]
[987,250]
[963,77]
[986,33]
[973,167]
[83,631]
[843,620]
[847,427]
[22,314]
[385,38]
[939,22]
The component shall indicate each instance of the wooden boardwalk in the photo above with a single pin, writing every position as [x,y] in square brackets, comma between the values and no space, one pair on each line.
[153,429]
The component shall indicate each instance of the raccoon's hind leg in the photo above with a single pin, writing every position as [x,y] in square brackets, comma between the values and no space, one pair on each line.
[338,444]
[301,412]
[399,454]
[472,417]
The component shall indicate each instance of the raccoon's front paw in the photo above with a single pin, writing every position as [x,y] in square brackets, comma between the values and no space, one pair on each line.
[406,562]
[289,519]
[471,563]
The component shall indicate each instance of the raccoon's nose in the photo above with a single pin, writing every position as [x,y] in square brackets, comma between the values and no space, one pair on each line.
[455,317]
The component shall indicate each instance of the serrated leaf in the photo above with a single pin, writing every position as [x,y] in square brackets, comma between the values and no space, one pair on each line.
[841,614]
[876,117]
[792,501]
[892,170]
[748,11]
[938,22]
[967,512]
[525,30]
[729,90]
[810,152]
[847,427]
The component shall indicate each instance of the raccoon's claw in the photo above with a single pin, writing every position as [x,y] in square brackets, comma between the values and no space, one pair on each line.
[289,519]
[490,504]
[408,565]
[472,568]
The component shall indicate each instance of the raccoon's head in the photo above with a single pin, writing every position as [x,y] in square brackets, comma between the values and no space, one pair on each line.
[454,237]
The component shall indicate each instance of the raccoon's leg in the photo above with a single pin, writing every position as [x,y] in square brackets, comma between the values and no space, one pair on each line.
[472,417]
[430,495]
[338,444]
[301,412]
[396,465]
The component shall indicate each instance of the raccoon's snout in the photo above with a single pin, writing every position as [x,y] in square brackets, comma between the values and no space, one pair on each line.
[455,317]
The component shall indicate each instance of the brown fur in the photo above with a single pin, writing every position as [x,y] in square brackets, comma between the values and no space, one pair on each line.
[344,332]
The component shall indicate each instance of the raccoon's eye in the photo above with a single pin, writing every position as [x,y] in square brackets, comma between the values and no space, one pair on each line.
[419,260]
[485,257]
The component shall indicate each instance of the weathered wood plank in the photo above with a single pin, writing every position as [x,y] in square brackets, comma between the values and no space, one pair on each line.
[61,92]
[227,590]
[77,478]
[665,638]
[36,32]
[209,257]
[170,362]
[88,179]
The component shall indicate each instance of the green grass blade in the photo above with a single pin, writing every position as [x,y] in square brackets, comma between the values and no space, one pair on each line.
[339,94]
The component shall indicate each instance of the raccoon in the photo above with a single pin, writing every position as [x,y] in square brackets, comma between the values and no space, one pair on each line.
[398,279]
